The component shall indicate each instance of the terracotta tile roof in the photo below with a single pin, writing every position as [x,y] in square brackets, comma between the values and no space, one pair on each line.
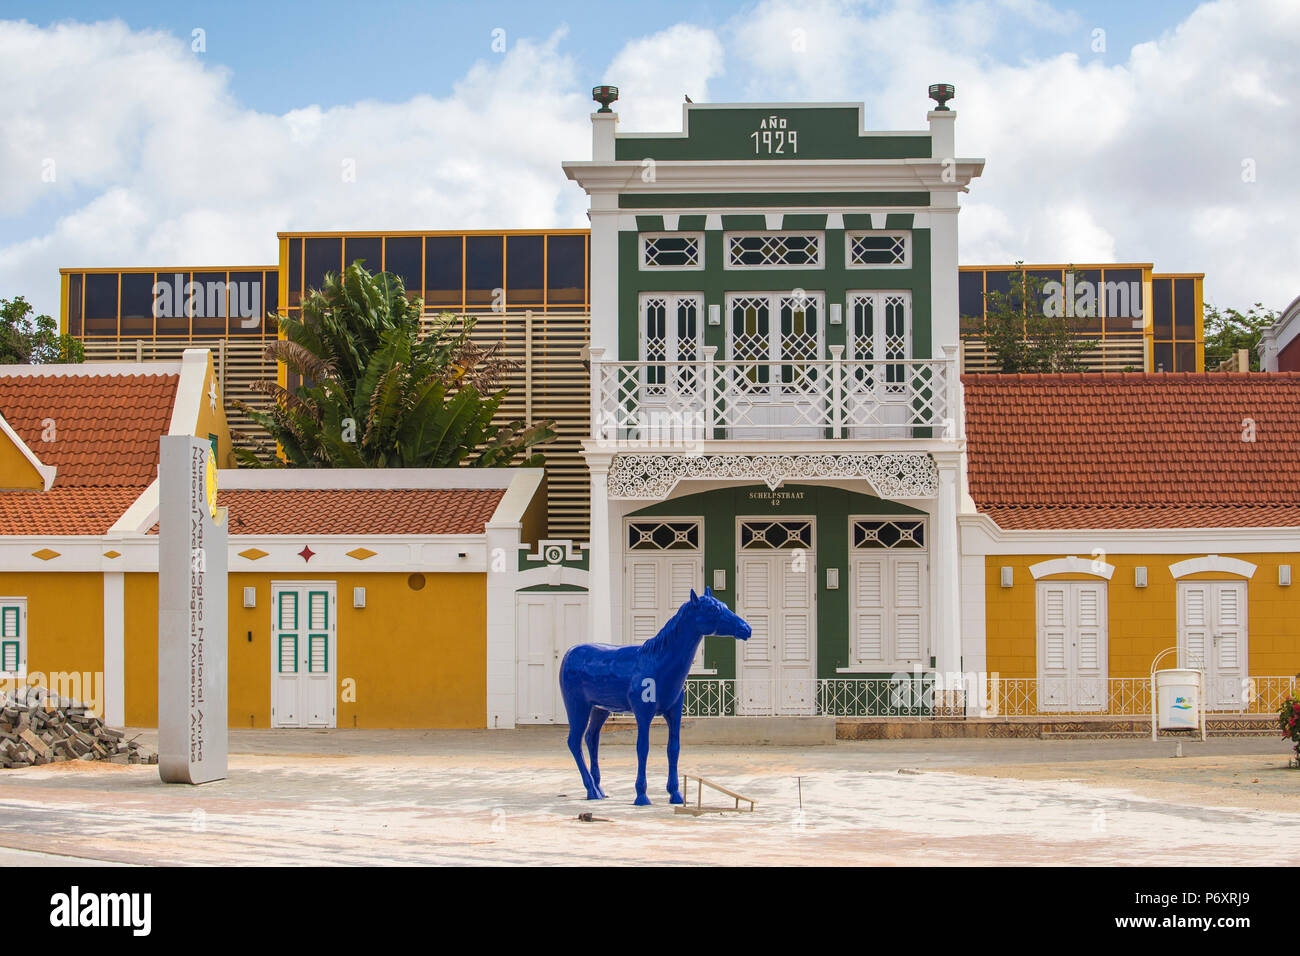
[1135,450]
[360,510]
[105,448]
[106,427]
[64,510]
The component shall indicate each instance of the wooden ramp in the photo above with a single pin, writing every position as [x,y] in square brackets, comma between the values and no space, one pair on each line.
[699,807]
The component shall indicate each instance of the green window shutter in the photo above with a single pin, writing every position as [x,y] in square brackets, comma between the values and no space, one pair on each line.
[288,610]
[10,618]
[318,610]
[318,660]
[288,654]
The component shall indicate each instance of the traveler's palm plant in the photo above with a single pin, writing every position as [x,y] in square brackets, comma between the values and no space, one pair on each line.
[376,393]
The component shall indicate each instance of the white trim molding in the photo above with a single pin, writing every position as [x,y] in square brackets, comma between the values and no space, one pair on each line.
[1072,565]
[1212,562]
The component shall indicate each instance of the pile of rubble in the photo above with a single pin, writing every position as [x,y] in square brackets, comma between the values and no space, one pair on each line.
[37,727]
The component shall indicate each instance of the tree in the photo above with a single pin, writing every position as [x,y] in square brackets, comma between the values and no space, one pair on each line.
[1227,330]
[28,340]
[1031,328]
[376,393]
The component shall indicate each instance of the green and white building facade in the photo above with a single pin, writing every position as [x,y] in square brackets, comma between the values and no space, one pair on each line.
[775,403]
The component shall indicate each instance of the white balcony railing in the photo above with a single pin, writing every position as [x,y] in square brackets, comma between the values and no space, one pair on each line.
[667,402]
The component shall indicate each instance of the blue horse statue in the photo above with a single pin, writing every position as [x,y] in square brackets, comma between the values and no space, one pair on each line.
[599,679]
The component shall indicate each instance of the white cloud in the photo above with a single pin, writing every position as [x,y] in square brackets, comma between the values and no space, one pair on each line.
[174,172]
[1135,155]
[1131,156]
[655,74]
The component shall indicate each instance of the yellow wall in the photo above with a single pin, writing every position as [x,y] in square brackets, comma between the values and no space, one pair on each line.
[1142,621]
[65,629]
[214,423]
[417,658]
[16,470]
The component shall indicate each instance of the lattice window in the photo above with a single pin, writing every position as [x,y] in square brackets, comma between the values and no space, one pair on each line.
[798,250]
[663,536]
[670,332]
[891,534]
[880,325]
[775,535]
[674,250]
[867,250]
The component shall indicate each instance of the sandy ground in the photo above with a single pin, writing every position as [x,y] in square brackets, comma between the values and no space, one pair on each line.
[513,797]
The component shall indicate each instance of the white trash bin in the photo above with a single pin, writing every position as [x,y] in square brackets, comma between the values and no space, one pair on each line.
[1178,699]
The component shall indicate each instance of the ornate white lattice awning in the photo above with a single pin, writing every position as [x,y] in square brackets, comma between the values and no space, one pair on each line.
[891,475]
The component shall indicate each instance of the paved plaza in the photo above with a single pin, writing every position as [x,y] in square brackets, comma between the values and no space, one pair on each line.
[514,797]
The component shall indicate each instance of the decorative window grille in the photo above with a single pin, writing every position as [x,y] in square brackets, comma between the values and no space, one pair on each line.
[769,327]
[672,250]
[791,250]
[775,535]
[890,534]
[874,250]
[663,536]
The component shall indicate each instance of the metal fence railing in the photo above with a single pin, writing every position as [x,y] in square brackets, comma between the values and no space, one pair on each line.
[928,695]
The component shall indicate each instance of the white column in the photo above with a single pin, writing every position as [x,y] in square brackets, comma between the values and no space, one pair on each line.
[114,702]
[1268,350]
[944,309]
[947,568]
[604,216]
[601,559]
[502,663]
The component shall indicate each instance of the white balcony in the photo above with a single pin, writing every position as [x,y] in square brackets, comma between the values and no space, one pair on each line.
[667,403]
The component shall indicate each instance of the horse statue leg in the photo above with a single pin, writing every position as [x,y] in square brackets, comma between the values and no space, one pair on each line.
[644,715]
[674,718]
[598,717]
[579,711]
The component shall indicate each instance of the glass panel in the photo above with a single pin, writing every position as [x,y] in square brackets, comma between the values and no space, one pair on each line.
[295,272]
[319,257]
[997,280]
[1087,286]
[484,269]
[1163,357]
[246,297]
[368,248]
[270,298]
[101,303]
[663,536]
[137,303]
[1122,295]
[169,304]
[1185,357]
[403,256]
[75,281]
[208,304]
[1163,318]
[565,269]
[443,277]
[1184,308]
[970,299]
[524,270]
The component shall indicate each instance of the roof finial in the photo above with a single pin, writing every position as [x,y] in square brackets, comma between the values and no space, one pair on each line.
[941,93]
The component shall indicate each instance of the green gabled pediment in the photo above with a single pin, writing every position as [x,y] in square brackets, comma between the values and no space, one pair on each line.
[772,133]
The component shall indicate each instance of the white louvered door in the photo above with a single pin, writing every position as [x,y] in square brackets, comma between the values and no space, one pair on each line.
[547,624]
[663,562]
[776,669]
[889,621]
[1212,636]
[303,648]
[1072,645]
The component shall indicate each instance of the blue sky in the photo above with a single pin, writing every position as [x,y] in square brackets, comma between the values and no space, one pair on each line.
[121,145]
[288,55]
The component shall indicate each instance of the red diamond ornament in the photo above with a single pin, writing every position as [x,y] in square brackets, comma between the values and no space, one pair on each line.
[306,552]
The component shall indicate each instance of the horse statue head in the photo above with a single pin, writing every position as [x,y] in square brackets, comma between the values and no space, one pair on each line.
[712,617]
